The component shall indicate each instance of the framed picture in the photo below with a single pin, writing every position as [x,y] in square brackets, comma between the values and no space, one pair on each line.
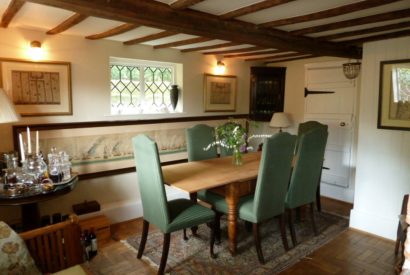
[104,148]
[394,95]
[37,88]
[219,93]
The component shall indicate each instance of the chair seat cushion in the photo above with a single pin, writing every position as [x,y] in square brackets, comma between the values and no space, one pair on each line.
[245,205]
[184,213]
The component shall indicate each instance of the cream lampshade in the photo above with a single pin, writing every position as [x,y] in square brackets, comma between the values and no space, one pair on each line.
[280,120]
[7,112]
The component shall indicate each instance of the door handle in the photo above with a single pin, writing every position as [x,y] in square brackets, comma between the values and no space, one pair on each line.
[342,124]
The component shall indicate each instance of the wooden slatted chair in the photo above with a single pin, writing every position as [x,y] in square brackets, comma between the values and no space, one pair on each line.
[55,247]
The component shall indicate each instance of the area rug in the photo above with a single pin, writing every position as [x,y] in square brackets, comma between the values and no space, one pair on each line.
[192,256]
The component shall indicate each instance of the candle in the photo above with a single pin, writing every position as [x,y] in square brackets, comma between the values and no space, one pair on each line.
[28,141]
[23,158]
[37,144]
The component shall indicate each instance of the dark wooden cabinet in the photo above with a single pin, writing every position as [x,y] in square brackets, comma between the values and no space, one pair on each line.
[267,92]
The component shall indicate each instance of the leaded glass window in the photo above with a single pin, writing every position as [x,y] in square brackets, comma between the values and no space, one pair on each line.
[140,88]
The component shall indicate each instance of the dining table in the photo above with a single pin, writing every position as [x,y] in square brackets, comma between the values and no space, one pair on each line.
[222,177]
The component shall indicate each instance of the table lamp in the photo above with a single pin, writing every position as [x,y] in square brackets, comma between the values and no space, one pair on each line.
[279,120]
[7,112]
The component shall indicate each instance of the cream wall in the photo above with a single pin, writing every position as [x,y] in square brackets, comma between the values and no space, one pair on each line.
[91,102]
[383,159]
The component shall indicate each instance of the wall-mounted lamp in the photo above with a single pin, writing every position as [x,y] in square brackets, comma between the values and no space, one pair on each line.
[220,67]
[351,70]
[35,50]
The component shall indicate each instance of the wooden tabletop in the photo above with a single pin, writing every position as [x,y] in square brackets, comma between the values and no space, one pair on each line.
[200,175]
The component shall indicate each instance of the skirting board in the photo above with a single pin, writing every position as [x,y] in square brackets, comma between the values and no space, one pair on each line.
[374,224]
[128,210]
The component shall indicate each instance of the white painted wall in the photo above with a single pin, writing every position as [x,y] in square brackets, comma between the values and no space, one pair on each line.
[91,102]
[383,158]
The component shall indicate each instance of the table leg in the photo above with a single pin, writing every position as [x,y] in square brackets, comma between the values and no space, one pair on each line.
[232,198]
[194,198]
[30,216]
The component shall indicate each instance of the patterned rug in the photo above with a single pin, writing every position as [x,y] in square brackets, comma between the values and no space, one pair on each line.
[192,256]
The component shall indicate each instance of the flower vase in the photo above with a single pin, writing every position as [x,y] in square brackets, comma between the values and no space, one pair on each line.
[237,157]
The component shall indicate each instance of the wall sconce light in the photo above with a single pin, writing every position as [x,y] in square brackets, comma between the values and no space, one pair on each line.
[220,67]
[35,50]
[351,69]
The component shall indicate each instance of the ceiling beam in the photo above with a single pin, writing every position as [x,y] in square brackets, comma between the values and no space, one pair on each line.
[150,37]
[278,56]
[70,22]
[379,37]
[11,11]
[211,47]
[355,22]
[241,50]
[115,31]
[365,31]
[183,4]
[254,8]
[327,13]
[183,42]
[252,54]
[291,59]
[162,16]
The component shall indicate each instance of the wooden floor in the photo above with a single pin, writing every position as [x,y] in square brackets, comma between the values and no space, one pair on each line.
[353,252]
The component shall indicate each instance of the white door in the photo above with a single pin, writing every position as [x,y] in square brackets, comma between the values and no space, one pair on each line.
[337,110]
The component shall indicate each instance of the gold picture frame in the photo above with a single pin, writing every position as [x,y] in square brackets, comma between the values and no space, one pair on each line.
[394,103]
[219,93]
[37,88]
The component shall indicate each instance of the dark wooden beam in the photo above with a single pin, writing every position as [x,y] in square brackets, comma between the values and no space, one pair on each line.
[278,56]
[291,59]
[11,11]
[183,42]
[365,31]
[150,37]
[242,50]
[252,54]
[211,47]
[70,22]
[327,13]
[162,16]
[379,37]
[183,4]
[355,22]
[117,30]
[254,8]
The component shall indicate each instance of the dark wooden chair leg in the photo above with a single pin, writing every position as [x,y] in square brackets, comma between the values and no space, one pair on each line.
[212,239]
[312,217]
[194,198]
[318,203]
[145,227]
[257,241]
[292,227]
[217,225]
[185,236]
[248,226]
[165,250]
[282,227]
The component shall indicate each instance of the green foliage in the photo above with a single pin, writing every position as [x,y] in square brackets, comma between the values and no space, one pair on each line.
[231,135]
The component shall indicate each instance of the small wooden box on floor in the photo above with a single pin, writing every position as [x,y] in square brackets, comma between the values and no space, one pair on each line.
[101,225]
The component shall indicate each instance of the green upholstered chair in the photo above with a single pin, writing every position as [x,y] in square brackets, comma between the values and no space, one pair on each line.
[304,128]
[168,216]
[306,174]
[199,137]
[268,201]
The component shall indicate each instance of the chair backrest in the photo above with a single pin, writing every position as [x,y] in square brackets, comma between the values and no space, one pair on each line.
[305,127]
[273,176]
[199,137]
[55,247]
[150,181]
[308,167]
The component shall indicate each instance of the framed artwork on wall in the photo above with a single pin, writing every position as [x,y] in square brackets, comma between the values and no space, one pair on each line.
[394,95]
[219,93]
[37,88]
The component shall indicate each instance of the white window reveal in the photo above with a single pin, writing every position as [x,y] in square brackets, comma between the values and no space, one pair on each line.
[142,87]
